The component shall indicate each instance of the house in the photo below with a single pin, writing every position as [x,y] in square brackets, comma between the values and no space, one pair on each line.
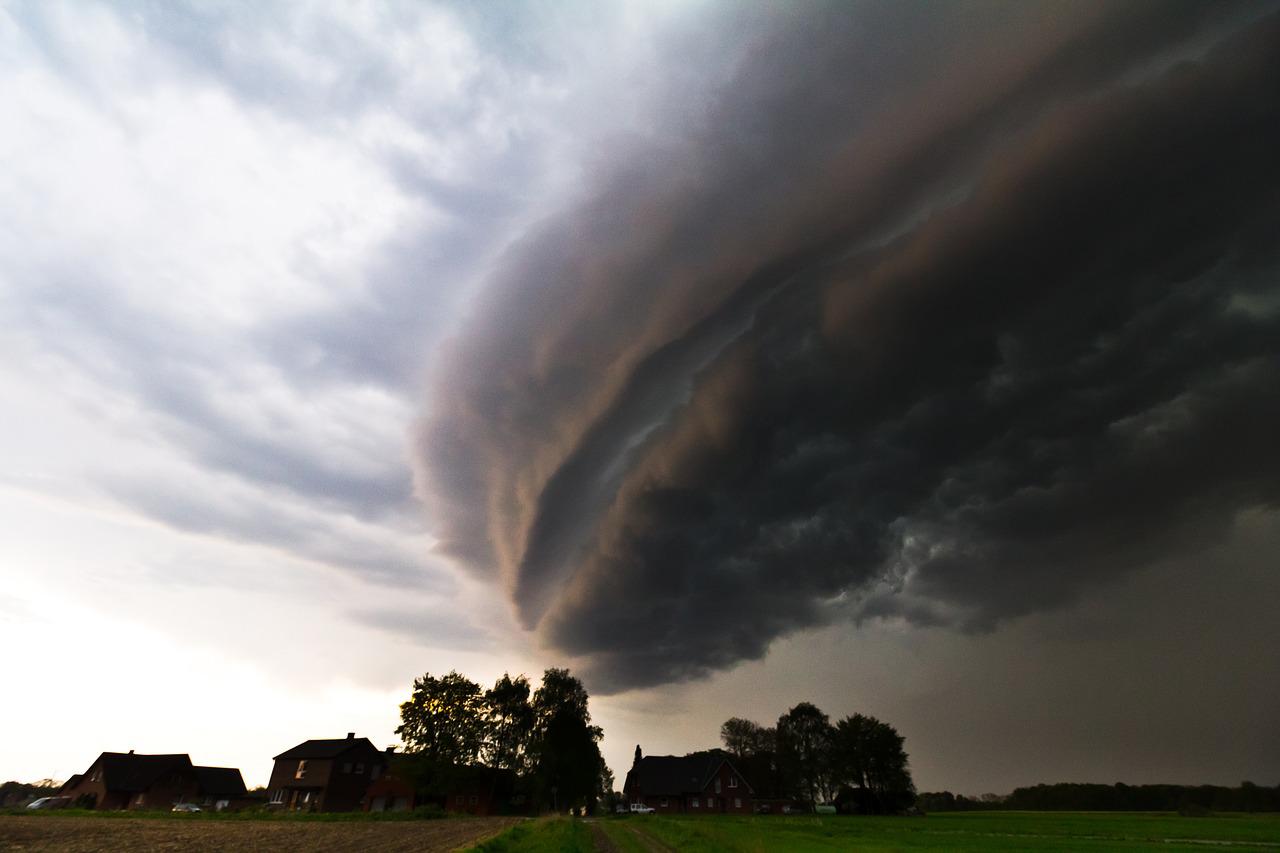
[480,790]
[326,775]
[394,789]
[219,788]
[698,783]
[127,780]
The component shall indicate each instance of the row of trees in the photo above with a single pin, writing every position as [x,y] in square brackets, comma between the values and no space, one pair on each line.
[858,762]
[1072,796]
[544,737]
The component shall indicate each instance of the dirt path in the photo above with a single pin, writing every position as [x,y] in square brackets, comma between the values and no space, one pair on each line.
[91,834]
[600,840]
[653,845]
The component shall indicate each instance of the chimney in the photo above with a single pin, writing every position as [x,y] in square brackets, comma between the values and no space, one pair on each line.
[351,735]
[131,752]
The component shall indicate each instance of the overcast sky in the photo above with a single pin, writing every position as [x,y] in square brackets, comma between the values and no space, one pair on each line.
[914,359]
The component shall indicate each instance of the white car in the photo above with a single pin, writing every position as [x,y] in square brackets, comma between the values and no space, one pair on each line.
[641,808]
[185,807]
[50,803]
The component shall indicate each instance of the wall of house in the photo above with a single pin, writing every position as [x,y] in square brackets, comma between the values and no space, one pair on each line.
[662,805]
[169,790]
[87,788]
[342,781]
[389,794]
[350,777]
[728,793]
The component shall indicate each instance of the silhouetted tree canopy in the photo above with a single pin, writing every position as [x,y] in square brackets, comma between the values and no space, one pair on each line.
[859,763]
[443,720]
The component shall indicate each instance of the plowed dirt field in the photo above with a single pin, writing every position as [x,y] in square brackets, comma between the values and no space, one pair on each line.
[84,834]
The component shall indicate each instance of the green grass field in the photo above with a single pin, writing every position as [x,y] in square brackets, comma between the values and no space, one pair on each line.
[1030,831]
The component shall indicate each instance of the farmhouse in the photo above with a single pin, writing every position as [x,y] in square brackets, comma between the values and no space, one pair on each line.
[127,780]
[698,783]
[326,775]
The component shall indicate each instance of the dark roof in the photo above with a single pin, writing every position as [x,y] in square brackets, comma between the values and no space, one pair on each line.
[327,748]
[676,774]
[130,772]
[220,781]
[71,782]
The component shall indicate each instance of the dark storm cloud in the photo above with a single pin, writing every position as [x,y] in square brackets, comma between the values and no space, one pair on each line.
[944,313]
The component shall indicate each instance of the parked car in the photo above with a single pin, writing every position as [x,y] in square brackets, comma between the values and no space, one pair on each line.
[50,803]
[641,808]
[185,807]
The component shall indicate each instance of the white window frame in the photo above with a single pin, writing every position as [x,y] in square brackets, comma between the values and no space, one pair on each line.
[737,802]
[277,797]
[664,802]
[733,781]
[697,801]
[301,772]
[717,786]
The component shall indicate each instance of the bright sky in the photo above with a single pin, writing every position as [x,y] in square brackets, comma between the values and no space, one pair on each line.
[231,235]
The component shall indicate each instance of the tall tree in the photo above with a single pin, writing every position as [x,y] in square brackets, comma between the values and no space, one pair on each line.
[804,739]
[566,752]
[442,721]
[868,756]
[741,737]
[508,723]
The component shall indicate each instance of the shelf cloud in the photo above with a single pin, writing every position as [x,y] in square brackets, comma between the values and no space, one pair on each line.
[937,314]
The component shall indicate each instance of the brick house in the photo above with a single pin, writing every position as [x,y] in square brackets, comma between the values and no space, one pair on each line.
[326,775]
[698,783]
[127,780]
[394,789]
[480,790]
[220,788]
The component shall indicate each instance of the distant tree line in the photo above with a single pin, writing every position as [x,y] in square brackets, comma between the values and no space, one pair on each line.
[16,793]
[1068,796]
[858,763]
[542,739]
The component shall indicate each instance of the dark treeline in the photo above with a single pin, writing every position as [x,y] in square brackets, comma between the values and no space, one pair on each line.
[1069,796]
[537,746]
[16,793]
[857,764]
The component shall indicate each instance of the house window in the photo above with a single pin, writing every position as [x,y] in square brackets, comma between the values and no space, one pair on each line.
[717,786]
[696,802]
[359,768]
[664,802]
[302,770]
[375,771]
[97,774]
[711,803]
[733,781]
[346,768]
[141,801]
[737,802]
[475,798]
[277,796]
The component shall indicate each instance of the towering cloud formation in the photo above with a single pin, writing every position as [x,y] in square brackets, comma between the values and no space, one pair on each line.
[938,312]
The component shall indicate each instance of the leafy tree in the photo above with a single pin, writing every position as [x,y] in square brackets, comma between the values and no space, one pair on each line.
[743,738]
[508,723]
[442,722]
[804,740]
[566,754]
[868,757]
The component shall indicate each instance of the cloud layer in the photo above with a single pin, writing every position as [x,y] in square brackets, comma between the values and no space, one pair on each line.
[940,314]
